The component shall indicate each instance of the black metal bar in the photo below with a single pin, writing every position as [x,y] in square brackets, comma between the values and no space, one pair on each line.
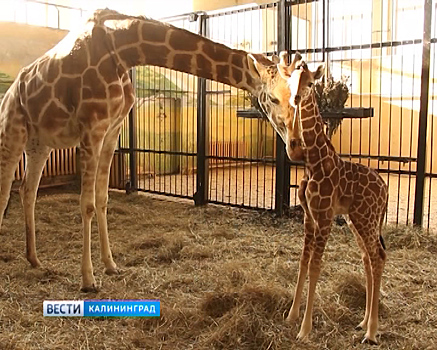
[132,140]
[282,186]
[377,45]
[380,158]
[349,113]
[324,31]
[345,113]
[246,9]
[201,195]
[423,114]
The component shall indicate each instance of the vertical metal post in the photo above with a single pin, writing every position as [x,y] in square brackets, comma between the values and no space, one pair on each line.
[423,114]
[282,187]
[324,31]
[132,140]
[201,195]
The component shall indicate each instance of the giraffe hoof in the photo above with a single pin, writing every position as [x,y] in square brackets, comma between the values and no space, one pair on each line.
[89,289]
[362,326]
[34,262]
[292,317]
[302,337]
[369,341]
[111,271]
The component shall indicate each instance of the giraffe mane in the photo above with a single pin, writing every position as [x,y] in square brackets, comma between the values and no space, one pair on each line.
[102,15]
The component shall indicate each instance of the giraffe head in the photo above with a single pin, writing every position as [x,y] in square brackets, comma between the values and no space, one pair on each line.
[273,96]
[300,80]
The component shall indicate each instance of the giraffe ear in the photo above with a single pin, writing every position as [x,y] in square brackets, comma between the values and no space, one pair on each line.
[319,72]
[283,71]
[275,59]
[255,67]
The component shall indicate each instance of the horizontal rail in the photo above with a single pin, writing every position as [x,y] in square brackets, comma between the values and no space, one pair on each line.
[345,113]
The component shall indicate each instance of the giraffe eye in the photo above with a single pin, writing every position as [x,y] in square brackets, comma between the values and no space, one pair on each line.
[310,84]
[274,100]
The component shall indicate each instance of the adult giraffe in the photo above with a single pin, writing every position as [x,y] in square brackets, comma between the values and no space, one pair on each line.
[79,93]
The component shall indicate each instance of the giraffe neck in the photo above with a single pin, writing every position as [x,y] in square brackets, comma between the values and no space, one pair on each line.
[141,41]
[315,141]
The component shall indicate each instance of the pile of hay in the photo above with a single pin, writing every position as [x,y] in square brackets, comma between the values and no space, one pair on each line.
[224,276]
[331,96]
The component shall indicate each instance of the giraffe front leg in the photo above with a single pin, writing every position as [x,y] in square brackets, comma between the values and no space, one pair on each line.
[321,235]
[89,157]
[35,160]
[102,184]
[88,210]
[293,315]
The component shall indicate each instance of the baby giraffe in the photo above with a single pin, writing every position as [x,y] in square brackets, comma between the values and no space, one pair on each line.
[333,186]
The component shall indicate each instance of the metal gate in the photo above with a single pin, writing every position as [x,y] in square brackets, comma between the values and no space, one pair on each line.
[192,138]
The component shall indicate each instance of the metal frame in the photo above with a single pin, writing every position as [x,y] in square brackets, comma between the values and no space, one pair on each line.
[423,120]
[283,184]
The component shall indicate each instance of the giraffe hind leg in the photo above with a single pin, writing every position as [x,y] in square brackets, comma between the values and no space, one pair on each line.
[368,274]
[13,138]
[90,152]
[102,184]
[369,232]
[35,160]
[7,177]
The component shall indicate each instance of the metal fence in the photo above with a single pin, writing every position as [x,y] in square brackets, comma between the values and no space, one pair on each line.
[43,13]
[186,132]
[191,138]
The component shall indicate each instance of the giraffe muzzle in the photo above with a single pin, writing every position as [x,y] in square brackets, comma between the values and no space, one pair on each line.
[297,99]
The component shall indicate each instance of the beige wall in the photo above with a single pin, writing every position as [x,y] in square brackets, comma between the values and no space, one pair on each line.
[21,44]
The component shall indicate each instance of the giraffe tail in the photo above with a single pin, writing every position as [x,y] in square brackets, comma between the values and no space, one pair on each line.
[381,239]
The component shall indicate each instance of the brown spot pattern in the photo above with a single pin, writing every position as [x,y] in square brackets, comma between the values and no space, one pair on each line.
[54,118]
[96,52]
[126,36]
[130,56]
[92,82]
[115,91]
[35,103]
[108,70]
[154,33]
[249,79]
[203,64]
[91,113]
[182,62]
[51,71]
[237,74]
[179,41]
[67,91]
[155,54]
[223,72]
[237,60]
[218,53]
[76,62]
